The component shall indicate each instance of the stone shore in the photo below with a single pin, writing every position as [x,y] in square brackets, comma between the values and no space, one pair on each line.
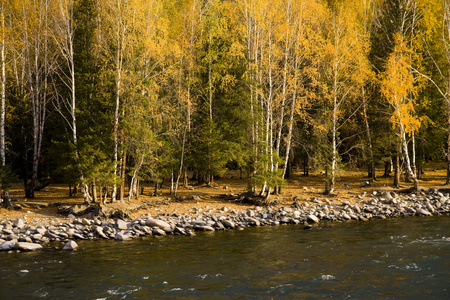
[18,235]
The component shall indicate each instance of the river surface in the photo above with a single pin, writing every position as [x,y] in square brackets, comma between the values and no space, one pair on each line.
[403,258]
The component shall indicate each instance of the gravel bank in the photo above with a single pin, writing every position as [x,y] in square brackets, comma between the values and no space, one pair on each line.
[20,235]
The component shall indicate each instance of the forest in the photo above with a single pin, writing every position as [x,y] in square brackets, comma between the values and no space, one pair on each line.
[104,94]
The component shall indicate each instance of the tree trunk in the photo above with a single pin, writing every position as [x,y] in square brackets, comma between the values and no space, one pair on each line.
[122,185]
[181,162]
[387,168]
[447,181]
[396,171]
[134,180]
[371,169]
[267,194]
[94,191]
[6,200]
[3,103]
[171,183]
[156,188]
[291,120]
[334,145]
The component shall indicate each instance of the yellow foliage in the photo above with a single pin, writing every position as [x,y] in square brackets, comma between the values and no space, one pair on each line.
[397,86]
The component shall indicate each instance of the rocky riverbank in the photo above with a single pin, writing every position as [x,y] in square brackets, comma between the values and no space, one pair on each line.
[19,235]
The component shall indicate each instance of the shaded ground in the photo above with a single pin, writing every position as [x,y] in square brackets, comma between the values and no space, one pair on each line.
[203,198]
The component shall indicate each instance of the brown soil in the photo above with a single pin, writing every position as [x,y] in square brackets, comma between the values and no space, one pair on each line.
[302,188]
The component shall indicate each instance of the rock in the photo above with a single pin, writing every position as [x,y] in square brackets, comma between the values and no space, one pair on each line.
[365,183]
[7,231]
[157,223]
[180,230]
[71,216]
[6,246]
[78,236]
[19,223]
[312,218]
[86,222]
[204,228]
[158,231]
[346,217]
[121,224]
[28,246]
[71,246]
[36,236]
[120,236]
[387,196]
[228,224]
[253,221]
[307,226]
[99,231]
[219,226]
[423,212]
[41,230]
[285,220]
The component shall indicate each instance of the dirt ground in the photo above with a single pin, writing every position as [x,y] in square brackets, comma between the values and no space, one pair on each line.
[304,188]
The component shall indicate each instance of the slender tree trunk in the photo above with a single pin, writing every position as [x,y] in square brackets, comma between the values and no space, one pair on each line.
[181,163]
[284,97]
[334,149]
[406,154]
[6,202]
[387,168]
[291,119]
[447,181]
[94,191]
[396,172]
[116,122]
[171,184]
[134,180]
[3,89]
[122,185]
[371,168]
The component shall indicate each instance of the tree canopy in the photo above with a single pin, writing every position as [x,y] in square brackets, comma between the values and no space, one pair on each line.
[103,93]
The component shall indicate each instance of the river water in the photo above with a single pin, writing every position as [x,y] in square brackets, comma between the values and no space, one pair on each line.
[403,258]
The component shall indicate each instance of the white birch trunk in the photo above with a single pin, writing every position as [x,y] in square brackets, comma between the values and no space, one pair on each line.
[3,89]
[291,118]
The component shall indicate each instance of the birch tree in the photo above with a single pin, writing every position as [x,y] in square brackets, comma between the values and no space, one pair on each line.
[344,72]
[4,171]
[33,61]
[397,86]
[438,50]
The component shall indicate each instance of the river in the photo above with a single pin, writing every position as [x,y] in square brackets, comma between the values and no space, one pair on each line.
[401,258]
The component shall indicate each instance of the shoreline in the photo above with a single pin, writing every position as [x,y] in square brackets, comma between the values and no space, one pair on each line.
[22,235]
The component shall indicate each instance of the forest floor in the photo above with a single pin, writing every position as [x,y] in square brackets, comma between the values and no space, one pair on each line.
[206,198]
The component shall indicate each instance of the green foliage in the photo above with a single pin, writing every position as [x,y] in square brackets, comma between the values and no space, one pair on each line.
[228,76]
[7,178]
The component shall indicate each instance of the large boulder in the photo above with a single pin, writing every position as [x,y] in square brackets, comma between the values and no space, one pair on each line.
[28,246]
[157,223]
